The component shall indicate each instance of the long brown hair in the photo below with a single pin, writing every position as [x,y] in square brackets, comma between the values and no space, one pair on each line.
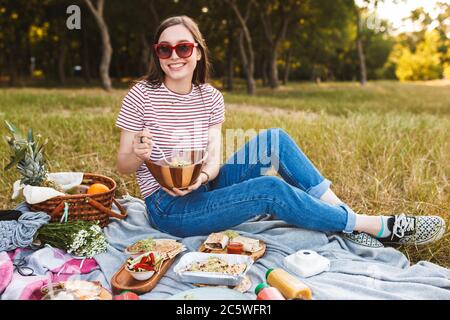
[201,75]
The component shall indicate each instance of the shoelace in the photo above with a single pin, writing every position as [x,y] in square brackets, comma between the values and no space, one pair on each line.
[402,224]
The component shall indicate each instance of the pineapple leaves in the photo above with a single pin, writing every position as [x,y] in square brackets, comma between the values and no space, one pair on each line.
[15,132]
[17,157]
[30,135]
[27,156]
[10,127]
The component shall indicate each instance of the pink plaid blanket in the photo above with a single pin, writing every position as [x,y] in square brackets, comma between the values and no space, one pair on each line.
[46,264]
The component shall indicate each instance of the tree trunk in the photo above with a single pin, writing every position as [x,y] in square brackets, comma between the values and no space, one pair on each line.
[359,45]
[362,63]
[106,58]
[85,55]
[246,47]
[229,74]
[273,70]
[13,60]
[265,77]
[274,40]
[287,67]
[229,64]
[106,43]
[117,69]
[61,61]
[12,70]
[248,67]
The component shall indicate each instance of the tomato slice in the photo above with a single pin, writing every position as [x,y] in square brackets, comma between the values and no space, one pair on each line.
[144,266]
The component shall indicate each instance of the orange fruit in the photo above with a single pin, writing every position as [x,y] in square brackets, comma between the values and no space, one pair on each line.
[97,188]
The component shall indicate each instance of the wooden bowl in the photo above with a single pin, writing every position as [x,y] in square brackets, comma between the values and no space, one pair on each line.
[179,170]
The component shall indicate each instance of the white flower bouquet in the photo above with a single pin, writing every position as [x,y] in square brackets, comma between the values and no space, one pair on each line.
[79,238]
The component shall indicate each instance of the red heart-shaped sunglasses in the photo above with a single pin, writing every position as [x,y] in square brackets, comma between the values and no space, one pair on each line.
[183,50]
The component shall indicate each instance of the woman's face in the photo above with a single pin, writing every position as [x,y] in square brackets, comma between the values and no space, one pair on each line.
[175,67]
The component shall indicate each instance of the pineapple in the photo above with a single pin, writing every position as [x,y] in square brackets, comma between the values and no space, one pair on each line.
[27,156]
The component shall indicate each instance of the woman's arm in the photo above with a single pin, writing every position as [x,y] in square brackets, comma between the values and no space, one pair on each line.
[133,152]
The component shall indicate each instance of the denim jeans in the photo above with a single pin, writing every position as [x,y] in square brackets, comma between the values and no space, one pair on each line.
[242,191]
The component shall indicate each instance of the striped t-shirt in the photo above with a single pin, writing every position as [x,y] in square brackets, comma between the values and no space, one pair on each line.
[175,121]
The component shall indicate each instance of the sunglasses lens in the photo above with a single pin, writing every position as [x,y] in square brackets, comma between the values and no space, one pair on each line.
[184,50]
[164,51]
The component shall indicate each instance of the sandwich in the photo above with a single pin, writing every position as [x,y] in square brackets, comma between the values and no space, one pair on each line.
[168,248]
[249,244]
[216,241]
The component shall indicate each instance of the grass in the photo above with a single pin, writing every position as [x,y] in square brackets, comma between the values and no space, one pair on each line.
[386,147]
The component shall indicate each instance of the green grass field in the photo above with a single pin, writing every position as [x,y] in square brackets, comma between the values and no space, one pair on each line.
[386,147]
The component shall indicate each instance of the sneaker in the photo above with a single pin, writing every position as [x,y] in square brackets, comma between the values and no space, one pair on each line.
[363,239]
[417,230]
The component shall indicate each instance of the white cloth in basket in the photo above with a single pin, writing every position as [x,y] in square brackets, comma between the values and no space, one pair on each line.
[35,194]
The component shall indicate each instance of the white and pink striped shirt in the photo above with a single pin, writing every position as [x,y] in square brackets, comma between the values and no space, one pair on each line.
[176,121]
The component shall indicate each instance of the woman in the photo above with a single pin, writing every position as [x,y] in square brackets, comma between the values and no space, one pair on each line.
[174,107]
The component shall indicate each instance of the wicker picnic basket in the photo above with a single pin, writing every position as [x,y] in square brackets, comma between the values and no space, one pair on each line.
[88,207]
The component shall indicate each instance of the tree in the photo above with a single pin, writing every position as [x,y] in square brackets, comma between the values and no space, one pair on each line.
[423,64]
[302,40]
[275,17]
[423,54]
[245,44]
[322,43]
[359,34]
[97,12]
[13,25]
[359,46]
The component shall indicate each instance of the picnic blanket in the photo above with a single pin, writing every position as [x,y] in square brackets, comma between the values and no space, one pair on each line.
[47,265]
[357,272]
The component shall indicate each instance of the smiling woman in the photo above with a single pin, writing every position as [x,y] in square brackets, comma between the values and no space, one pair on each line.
[174,108]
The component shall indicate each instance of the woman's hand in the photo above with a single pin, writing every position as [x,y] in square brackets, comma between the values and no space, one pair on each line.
[142,144]
[202,178]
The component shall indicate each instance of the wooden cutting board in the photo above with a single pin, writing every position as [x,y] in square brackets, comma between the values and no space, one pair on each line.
[122,280]
[254,255]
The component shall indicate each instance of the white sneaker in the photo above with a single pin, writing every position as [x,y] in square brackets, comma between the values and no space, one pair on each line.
[362,239]
[418,230]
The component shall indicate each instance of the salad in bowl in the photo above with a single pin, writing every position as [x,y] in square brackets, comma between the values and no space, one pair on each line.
[144,266]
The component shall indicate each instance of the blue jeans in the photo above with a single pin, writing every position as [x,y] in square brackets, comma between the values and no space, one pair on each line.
[241,191]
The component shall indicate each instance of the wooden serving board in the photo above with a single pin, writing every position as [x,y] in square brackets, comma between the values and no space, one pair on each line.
[122,280]
[254,255]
